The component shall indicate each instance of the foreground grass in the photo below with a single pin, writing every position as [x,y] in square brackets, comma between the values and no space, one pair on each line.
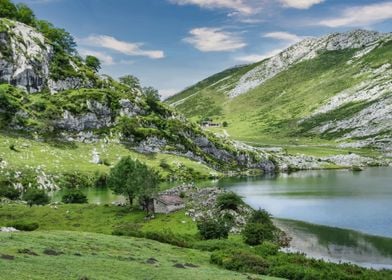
[98,256]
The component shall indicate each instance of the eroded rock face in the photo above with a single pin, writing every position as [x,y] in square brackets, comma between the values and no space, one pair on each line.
[25,57]
[98,116]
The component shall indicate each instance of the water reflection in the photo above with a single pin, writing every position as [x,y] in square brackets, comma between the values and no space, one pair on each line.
[338,245]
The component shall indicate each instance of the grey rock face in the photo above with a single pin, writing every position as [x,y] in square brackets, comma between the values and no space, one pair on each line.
[99,116]
[25,57]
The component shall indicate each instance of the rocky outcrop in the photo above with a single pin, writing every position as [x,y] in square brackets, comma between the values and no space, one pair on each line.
[25,56]
[98,116]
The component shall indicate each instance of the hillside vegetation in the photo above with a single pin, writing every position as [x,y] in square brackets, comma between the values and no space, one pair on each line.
[334,90]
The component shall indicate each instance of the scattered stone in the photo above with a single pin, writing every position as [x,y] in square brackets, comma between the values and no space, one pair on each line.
[151,261]
[51,252]
[179,265]
[27,252]
[191,265]
[8,229]
[7,257]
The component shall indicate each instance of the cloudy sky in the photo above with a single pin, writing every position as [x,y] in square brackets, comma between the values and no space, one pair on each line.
[171,44]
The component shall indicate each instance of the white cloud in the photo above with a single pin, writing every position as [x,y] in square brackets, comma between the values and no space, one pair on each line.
[214,40]
[283,36]
[127,48]
[103,57]
[252,58]
[361,15]
[300,4]
[240,6]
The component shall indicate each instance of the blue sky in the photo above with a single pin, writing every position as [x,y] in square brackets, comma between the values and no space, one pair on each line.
[171,44]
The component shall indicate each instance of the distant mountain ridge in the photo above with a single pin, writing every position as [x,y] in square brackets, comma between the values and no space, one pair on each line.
[337,88]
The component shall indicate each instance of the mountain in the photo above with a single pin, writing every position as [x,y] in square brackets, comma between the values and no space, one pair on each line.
[49,94]
[335,90]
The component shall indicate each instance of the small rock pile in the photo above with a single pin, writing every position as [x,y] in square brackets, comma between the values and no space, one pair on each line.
[201,203]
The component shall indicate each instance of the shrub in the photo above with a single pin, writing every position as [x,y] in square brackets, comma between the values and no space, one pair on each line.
[225,124]
[241,261]
[35,196]
[218,245]
[267,249]
[9,192]
[74,197]
[24,226]
[261,216]
[75,180]
[169,237]
[229,201]
[256,233]
[100,180]
[212,229]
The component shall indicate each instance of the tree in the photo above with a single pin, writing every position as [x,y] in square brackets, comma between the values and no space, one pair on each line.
[93,63]
[132,179]
[130,81]
[25,14]
[151,94]
[8,9]
[35,196]
[60,39]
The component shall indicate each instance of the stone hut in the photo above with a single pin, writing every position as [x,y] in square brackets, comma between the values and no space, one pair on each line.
[168,203]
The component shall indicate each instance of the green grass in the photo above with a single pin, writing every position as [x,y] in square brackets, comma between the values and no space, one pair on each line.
[93,218]
[54,157]
[102,257]
[269,114]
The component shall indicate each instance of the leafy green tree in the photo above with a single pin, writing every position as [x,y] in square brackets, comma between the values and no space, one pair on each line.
[35,196]
[60,39]
[93,63]
[151,94]
[132,179]
[130,81]
[25,14]
[8,9]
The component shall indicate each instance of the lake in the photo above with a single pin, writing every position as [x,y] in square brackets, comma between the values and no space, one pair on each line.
[360,201]
[337,215]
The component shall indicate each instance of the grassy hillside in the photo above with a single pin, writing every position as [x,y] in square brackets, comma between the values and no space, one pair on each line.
[281,110]
[97,256]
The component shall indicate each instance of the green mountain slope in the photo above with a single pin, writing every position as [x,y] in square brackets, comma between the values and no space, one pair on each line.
[335,88]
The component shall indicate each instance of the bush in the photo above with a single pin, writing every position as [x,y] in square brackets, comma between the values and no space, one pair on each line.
[267,249]
[9,192]
[75,180]
[35,196]
[213,229]
[229,201]
[169,237]
[241,261]
[261,216]
[255,233]
[74,197]
[24,226]
[100,180]
[217,245]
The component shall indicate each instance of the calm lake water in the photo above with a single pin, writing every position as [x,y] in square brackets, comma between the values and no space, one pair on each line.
[337,215]
[359,201]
